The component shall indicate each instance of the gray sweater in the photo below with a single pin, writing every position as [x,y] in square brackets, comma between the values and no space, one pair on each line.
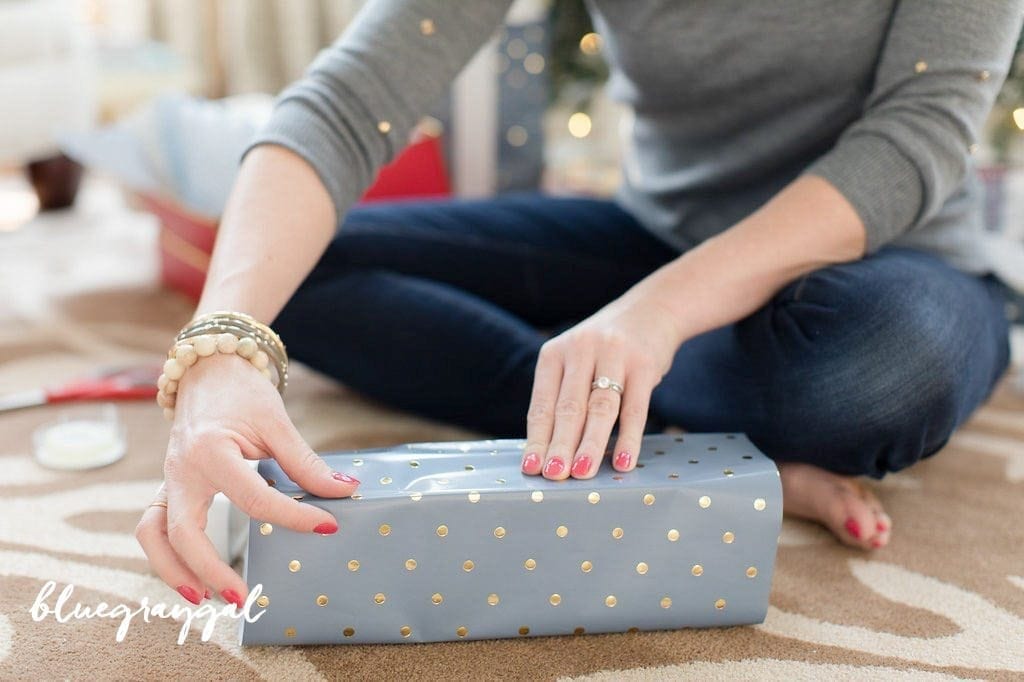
[730,100]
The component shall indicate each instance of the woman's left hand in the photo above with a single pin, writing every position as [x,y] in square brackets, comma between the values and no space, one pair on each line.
[632,341]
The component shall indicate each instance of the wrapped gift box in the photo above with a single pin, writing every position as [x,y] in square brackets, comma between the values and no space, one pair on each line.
[448,541]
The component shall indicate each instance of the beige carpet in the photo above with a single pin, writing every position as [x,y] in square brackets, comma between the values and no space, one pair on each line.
[944,600]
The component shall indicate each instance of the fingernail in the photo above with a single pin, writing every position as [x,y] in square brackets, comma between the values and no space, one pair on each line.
[231,597]
[622,460]
[189,593]
[531,463]
[344,478]
[581,467]
[881,527]
[206,595]
[853,528]
[326,528]
[554,467]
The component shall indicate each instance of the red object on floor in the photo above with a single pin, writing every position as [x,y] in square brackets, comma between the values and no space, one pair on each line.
[186,238]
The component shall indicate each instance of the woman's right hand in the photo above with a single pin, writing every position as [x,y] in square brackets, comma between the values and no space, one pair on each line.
[227,412]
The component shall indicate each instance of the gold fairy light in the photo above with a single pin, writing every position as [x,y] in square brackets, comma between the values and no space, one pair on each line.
[534,63]
[579,125]
[1018,117]
[590,43]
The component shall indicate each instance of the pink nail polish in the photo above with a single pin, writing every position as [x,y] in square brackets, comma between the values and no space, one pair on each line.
[326,528]
[881,527]
[554,467]
[531,463]
[189,593]
[206,595]
[231,597]
[853,528]
[622,460]
[581,467]
[344,478]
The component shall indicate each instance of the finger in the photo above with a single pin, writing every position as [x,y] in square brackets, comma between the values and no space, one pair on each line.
[301,462]
[540,417]
[602,411]
[636,400]
[570,415]
[151,532]
[186,520]
[247,489]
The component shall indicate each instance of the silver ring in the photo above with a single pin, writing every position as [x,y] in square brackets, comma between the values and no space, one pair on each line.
[605,382]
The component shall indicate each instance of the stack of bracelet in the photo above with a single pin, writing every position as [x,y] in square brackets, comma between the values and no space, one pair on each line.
[222,332]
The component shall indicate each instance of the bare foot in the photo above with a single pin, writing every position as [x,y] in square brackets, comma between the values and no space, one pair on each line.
[840,503]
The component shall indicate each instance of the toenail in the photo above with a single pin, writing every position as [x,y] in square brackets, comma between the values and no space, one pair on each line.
[881,527]
[853,528]
[877,543]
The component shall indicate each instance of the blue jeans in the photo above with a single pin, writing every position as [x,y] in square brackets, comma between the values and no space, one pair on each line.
[440,307]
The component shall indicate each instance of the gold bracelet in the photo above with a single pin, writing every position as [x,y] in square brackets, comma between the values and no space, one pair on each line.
[241,324]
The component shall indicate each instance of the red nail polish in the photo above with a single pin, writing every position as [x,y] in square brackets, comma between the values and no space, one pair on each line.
[206,595]
[554,467]
[622,460]
[231,597]
[531,463]
[189,593]
[581,467]
[881,527]
[853,528]
[326,528]
[344,478]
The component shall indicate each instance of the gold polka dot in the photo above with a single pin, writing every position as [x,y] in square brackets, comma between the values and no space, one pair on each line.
[530,564]
[263,601]
[462,631]
[289,632]
[579,631]
[760,504]
[610,601]
[348,632]
[437,598]
[555,599]
[427,27]
[405,631]
[357,462]
[641,568]
[384,127]
[353,565]
[617,533]
[537,496]
[321,600]
[672,535]
[673,476]
[493,599]
[533,63]
[298,497]
[666,602]
[561,531]
[416,497]
[469,467]
[984,75]
[728,472]
[921,66]
[728,537]
[586,567]
[266,529]
[697,569]
[384,529]
[499,532]
[442,530]
[704,502]
[294,566]
[474,497]
[499,481]
[752,572]
[379,598]
[413,463]
[410,564]
[648,499]
[524,630]
[468,565]
[517,135]
[594,497]
[356,496]
[720,604]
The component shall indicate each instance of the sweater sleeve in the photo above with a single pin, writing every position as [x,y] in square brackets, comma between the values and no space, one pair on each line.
[355,106]
[940,69]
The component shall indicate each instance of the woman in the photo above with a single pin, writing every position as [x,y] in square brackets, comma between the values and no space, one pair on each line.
[793,254]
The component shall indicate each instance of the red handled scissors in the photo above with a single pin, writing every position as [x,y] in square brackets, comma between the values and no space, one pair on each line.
[131,383]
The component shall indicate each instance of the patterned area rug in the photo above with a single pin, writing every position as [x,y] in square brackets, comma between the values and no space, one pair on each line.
[945,600]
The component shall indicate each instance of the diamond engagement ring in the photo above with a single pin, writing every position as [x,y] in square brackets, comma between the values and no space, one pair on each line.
[605,382]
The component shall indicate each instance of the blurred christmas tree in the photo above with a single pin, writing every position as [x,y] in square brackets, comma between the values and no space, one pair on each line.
[1008,114]
[577,68]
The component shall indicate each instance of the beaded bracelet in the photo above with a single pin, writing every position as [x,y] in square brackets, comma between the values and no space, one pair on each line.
[187,352]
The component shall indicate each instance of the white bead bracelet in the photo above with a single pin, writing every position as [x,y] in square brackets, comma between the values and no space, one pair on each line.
[187,352]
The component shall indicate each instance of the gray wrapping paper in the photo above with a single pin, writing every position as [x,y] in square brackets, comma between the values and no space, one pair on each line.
[449,541]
